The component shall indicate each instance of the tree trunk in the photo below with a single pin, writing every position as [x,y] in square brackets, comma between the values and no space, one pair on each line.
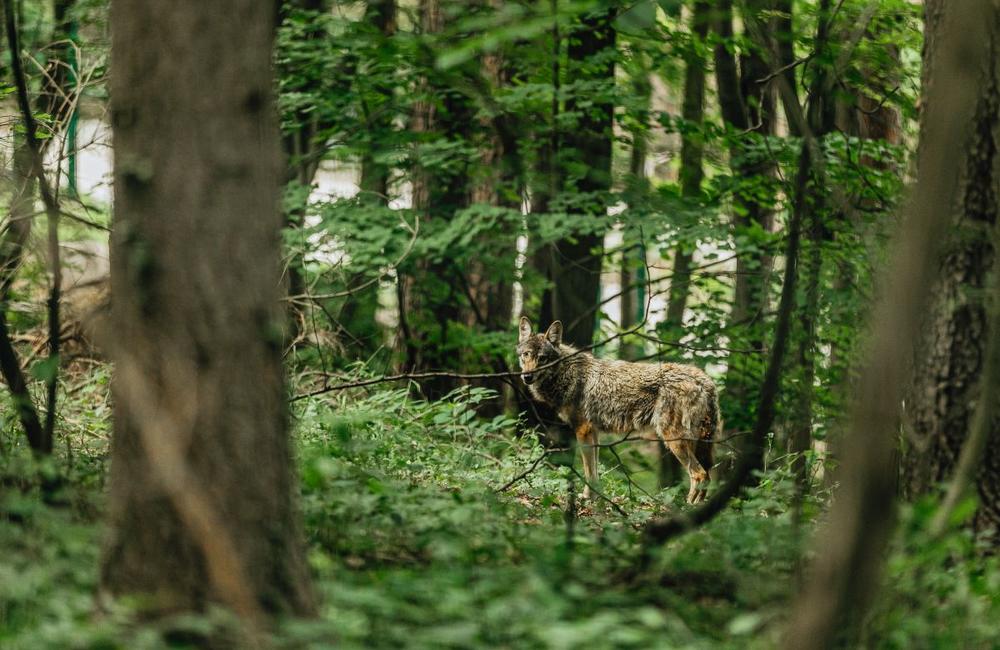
[357,315]
[632,275]
[490,279]
[21,213]
[381,14]
[432,292]
[820,121]
[58,88]
[846,571]
[574,267]
[692,152]
[951,353]
[492,291]
[301,157]
[747,106]
[201,502]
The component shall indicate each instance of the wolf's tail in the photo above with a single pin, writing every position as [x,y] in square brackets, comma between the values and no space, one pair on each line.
[710,433]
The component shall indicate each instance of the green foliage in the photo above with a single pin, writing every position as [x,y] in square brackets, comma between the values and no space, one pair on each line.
[412,545]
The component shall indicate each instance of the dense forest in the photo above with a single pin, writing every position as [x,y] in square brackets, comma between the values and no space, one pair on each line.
[499,324]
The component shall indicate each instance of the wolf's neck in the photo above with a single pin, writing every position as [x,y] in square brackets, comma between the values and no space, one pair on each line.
[568,350]
[559,384]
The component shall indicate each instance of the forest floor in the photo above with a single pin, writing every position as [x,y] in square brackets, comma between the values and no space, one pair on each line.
[414,543]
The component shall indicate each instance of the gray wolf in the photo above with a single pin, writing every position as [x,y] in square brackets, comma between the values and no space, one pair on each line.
[678,403]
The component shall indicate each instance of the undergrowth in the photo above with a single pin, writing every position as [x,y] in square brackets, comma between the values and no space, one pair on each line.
[420,536]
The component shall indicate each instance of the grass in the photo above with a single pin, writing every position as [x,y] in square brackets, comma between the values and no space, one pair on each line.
[412,544]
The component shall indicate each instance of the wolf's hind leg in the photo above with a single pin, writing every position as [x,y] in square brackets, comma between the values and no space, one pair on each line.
[684,449]
[586,438]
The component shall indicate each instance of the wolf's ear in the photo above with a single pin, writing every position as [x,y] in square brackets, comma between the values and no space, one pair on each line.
[524,329]
[554,333]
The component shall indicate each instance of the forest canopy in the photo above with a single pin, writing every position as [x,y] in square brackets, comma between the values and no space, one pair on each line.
[499,323]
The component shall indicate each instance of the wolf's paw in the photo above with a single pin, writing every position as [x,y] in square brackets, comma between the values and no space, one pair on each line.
[698,493]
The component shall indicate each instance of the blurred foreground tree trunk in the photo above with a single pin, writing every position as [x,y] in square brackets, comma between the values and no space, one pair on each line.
[951,351]
[961,45]
[201,503]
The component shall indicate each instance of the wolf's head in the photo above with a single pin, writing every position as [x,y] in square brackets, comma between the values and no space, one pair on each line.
[535,350]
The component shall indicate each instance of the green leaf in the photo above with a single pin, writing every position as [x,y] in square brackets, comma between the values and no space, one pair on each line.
[671,7]
[46,369]
[638,18]
[744,624]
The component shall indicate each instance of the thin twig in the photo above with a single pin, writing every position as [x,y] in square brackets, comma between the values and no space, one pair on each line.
[531,468]
[52,211]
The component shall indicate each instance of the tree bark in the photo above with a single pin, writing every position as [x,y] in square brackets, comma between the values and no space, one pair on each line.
[692,152]
[490,279]
[747,106]
[357,315]
[381,15]
[432,292]
[300,151]
[846,571]
[575,263]
[946,386]
[201,502]
[632,275]
[820,123]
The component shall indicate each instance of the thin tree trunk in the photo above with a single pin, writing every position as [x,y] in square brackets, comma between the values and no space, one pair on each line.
[357,315]
[300,155]
[490,280]
[748,106]
[633,264]
[692,152]
[15,235]
[820,120]
[547,177]
[201,457]
[35,149]
[381,14]
[575,263]
[434,292]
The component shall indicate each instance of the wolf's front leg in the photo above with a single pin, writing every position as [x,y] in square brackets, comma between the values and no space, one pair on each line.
[586,438]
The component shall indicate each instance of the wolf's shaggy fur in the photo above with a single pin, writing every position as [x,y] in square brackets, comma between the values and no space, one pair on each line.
[675,401]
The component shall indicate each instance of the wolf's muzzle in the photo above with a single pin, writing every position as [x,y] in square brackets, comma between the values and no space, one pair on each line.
[528,377]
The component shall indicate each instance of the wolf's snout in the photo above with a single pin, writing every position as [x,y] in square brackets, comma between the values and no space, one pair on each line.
[528,377]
